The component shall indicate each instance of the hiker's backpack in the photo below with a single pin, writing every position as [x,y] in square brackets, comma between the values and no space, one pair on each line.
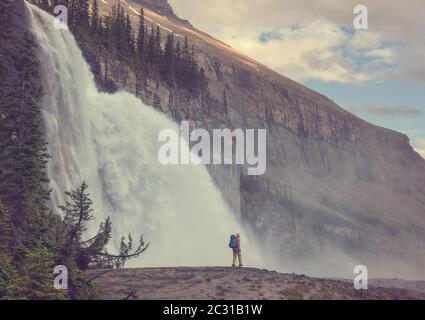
[233,243]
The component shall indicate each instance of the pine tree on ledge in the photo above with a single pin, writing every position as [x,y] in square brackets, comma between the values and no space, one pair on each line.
[91,253]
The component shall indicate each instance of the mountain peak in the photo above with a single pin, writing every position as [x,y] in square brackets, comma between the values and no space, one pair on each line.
[160,6]
[163,8]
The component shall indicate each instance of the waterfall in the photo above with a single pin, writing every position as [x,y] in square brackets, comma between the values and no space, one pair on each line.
[111,142]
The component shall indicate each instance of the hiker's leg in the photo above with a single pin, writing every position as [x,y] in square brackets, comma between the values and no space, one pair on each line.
[234,258]
[240,257]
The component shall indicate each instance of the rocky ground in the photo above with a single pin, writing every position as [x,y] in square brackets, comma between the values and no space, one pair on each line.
[226,283]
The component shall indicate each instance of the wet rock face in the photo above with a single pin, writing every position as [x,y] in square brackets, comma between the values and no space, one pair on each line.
[334,183]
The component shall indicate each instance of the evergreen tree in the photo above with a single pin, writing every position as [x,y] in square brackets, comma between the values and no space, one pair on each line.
[224,98]
[157,47]
[114,30]
[81,14]
[193,79]
[125,251]
[88,253]
[39,265]
[186,55]
[106,38]
[7,237]
[203,81]
[169,60]
[151,49]
[25,225]
[23,149]
[9,286]
[94,21]
[178,65]
[44,4]
[140,54]
[129,34]
[73,14]
[141,37]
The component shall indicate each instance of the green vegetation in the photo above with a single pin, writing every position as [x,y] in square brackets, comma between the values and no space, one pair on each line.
[25,242]
[33,240]
[90,253]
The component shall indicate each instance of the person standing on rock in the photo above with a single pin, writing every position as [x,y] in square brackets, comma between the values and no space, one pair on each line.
[235,245]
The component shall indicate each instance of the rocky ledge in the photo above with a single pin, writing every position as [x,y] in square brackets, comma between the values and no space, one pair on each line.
[227,283]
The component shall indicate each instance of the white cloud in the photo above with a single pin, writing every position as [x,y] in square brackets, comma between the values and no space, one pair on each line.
[314,50]
[387,55]
[241,22]
[309,51]
[380,110]
[420,147]
[365,40]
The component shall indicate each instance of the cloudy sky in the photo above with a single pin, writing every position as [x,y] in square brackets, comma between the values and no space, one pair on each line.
[378,73]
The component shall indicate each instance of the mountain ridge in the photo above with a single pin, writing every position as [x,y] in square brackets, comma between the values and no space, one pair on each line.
[150,11]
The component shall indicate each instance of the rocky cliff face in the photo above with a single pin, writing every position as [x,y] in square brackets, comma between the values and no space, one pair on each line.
[337,191]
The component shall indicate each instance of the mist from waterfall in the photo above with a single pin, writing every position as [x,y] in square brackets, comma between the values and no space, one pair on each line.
[111,142]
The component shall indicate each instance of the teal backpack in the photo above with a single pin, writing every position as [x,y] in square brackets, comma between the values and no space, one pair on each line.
[233,243]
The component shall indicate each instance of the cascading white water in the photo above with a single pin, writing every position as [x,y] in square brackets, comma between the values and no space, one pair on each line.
[110,141]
